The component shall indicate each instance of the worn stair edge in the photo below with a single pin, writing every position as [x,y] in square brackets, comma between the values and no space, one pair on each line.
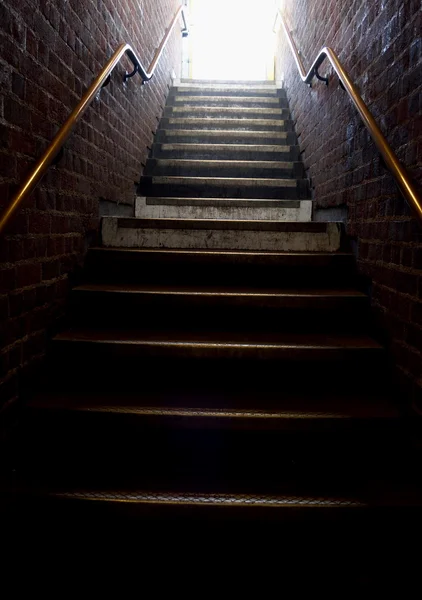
[312,347]
[218,224]
[298,299]
[231,257]
[223,181]
[201,81]
[239,112]
[222,124]
[276,149]
[221,208]
[195,233]
[211,136]
[287,413]
[242,100]
[249,88]
[250,152]
[187,167]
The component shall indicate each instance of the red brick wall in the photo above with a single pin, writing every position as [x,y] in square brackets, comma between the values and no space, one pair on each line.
[380,44]
[49,53]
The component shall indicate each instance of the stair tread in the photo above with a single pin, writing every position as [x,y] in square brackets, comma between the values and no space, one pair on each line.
[234,99]
[222,339]
[383,495]
[204,251]
[219,256]
[250,86]
[226,109]
[227,121]
[222,181]
[219,291]
[230,147]
[273,407]
[224,132]
[245,164]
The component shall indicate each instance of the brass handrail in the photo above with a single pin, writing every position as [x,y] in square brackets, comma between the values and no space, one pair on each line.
[404,183]
[64,132]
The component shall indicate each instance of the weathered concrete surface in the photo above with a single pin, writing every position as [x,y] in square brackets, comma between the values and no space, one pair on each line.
[202,235]
[215,208]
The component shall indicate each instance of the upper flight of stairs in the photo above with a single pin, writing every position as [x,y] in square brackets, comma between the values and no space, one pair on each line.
[220,365]
[225,152]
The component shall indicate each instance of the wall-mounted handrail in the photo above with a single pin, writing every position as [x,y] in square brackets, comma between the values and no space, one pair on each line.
[404,183]
[64,132]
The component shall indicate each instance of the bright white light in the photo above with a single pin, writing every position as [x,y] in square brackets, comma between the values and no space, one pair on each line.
[232,39]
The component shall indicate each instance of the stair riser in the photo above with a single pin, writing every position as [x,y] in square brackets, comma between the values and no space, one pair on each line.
[185,312]
[227,91]
[191,189]
[208,153]
[217,452]
[301,212]
[226,124]
[227,102]
[221,112]
[164,167]
[222,239]
[197,351]
[251,271]
[182,135]
[233,82]
[245,378]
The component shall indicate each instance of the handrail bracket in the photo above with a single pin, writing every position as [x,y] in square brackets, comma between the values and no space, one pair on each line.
[127,75]
[320,77]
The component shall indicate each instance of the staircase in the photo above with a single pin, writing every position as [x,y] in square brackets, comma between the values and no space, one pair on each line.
[220,364]
[225,173]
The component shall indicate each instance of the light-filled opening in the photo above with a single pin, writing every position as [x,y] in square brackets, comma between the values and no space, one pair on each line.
[231,39]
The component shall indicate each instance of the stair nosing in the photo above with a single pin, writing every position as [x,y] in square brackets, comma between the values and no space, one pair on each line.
[223,163]
[223,181]
[211,500]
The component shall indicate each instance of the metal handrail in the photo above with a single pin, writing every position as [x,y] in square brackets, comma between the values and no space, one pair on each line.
[404,183]
[64,132]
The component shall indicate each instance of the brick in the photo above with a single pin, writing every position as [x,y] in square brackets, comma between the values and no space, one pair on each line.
[28,274]
[40,43]
[7,279]
[39,223]
[342,161]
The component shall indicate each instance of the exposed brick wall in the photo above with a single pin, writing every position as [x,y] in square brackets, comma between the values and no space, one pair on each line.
[49,53]
[379,42]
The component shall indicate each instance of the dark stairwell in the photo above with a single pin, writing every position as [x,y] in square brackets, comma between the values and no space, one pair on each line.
[220,378]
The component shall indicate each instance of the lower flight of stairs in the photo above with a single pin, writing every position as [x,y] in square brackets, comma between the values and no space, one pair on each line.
[214,381]
[217,375]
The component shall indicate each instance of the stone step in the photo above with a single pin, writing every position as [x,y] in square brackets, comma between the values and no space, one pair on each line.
[200,136]
[221,123]
[223,168]
[252,82]
[186,111]
[224,187]
[249,152]
[227,90]
[221,234]
[223,208]
[234,101]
